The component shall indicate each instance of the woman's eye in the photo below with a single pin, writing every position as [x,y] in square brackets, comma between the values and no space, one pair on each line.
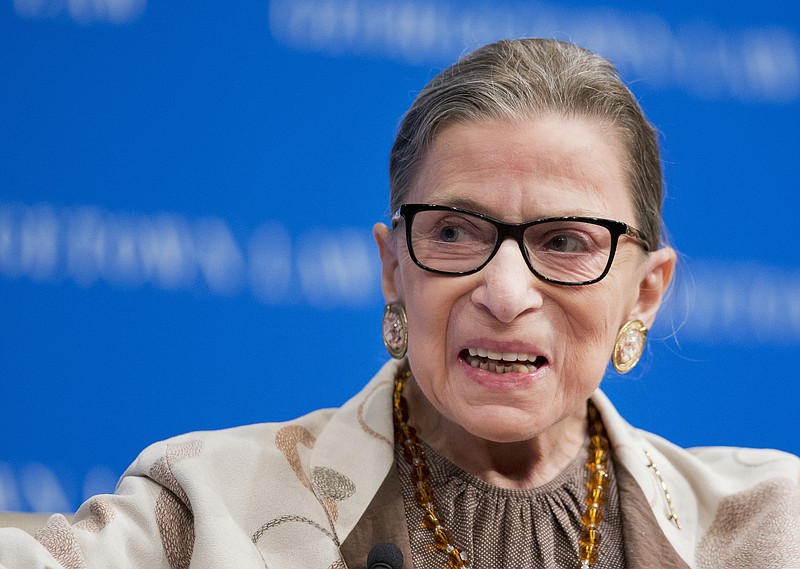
[449,234]
[565,244]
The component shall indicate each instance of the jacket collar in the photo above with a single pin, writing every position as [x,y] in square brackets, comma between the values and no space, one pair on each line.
[359,442]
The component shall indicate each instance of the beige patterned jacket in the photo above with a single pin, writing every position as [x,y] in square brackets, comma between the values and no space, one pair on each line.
[317,492]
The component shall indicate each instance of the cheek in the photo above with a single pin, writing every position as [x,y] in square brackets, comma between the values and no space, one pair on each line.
[592,314]
[433,304]
[425,302]
[593,320]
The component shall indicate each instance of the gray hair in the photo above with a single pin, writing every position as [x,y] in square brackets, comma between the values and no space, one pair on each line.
[513,79]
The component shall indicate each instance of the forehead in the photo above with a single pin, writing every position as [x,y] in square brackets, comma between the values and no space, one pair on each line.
[527,168]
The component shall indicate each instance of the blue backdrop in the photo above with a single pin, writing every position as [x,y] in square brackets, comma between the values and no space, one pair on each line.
[187,191]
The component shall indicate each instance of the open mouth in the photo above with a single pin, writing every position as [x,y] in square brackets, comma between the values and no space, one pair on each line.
[502,362]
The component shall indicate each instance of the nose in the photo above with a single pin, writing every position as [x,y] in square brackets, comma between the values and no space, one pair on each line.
[507,287]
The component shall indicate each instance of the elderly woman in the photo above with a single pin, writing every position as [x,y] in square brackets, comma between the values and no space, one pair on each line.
[523,255]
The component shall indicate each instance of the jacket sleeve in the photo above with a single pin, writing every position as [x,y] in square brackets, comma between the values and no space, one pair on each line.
[148,522]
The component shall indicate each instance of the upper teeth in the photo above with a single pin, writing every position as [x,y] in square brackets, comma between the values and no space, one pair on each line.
[505,356]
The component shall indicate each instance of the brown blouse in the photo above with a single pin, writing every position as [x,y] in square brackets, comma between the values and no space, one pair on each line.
[497,527]
[384,520]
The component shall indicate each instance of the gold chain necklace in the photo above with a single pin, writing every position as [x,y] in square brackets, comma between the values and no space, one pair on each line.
[414,455]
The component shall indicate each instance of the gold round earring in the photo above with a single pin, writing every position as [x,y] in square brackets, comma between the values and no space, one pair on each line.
[395,330]
[629,346]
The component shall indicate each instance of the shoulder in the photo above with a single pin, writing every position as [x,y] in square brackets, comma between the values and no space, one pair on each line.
[722,478]
[311,476]
[716,505]
[737,483]
[723,471]
[743,503]
[367,413]
[719,469]
[750,464]
[210,449]
[747,505]
[287,452]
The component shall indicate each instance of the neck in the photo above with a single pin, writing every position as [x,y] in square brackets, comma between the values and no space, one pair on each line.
[512,465]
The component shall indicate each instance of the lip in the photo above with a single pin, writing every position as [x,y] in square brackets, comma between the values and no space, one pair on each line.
[504,381]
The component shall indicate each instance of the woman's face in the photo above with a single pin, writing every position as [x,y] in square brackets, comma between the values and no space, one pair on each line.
[520,171]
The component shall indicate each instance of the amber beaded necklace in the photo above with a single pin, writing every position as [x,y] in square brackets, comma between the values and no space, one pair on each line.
[414,455]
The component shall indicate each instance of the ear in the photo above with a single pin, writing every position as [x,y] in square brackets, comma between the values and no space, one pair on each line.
[389,261]
[659,268]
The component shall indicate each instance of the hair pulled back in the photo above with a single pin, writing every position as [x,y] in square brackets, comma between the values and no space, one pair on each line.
[519,79]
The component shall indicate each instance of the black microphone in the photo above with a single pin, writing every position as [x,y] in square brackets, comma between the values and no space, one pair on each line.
[385,556]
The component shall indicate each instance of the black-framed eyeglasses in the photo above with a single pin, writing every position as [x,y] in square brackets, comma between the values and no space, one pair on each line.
[562,250]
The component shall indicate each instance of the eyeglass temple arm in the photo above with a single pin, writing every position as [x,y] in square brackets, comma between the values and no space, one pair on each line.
[637,236]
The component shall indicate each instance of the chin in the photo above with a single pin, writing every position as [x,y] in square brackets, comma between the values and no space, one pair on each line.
[504,437]
[505,430]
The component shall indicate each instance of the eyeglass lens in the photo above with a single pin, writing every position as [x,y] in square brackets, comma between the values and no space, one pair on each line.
[561,250]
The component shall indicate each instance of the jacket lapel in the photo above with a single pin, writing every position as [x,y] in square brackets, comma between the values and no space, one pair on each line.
[383,521]
[645,544]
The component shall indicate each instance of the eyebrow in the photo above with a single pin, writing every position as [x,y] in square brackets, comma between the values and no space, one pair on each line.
[469,204]
[464,203]
[458,201]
